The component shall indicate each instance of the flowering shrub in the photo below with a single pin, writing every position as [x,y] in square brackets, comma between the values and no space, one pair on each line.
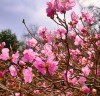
[63,62]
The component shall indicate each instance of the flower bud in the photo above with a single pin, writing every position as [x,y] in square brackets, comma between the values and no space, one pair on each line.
[85,89]
[94,91]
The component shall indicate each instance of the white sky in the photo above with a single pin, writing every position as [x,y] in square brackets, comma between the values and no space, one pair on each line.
[12,12]
[87,3]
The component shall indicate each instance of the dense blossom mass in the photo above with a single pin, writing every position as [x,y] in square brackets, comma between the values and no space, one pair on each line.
[61,62]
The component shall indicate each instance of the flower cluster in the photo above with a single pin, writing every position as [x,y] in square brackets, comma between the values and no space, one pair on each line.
[59,6]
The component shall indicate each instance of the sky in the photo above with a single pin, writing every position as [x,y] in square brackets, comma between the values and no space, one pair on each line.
[12,12]
[86,3]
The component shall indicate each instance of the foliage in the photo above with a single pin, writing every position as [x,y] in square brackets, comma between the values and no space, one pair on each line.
[10,39]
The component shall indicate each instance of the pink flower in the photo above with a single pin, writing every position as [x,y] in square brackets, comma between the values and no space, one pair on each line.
[17,94]
[50,37]
[13,70]
[88,17]
[82,80]
[97,36]
[84,61]
[85,89]
[74,81]
[72,35]
[44,85]
[21,63]
[98,43]
[69,73]
[86,70]
[5,71]
[36,91]
[52,66]
[27,75]
[5,54]
[83,30]
[60,33]
[50,9]
[42,31]
[40,65]
[15,57]
[47,49]
[2,45]
[29,55]
[59,6]
[32,42]
[65,5]
[74,17]
[78,41]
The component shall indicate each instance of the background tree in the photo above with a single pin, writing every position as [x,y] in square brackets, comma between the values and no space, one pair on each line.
[10,39]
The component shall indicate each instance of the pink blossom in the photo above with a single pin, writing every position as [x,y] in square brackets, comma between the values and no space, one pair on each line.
[32,42]
[44,85]
[40,65]
[17,94]
[64,5]
[47,49]
[42,31]
[74,17]
[97,36]
[52,66]
[98,43]
[27,75]
[74,81]
[69,74]
[15,57]
[90,63]
[72,35]
[84,61]
[5,71]
[60,33]
[86,70]
[91,54]
[50,37]
[13,70]
[5,54]
[88,17]
[75,52]
[83,30]
[82,80]
[2,45]
[85,89]
[37,47]
[29,55]
[78,41]
[36,91]
[50,9]
[21,63]
[59,6]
